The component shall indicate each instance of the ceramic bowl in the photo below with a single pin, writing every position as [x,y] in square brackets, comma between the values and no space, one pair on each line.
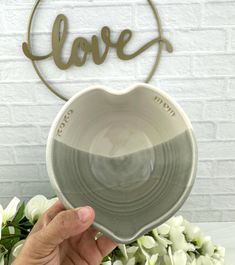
[130,154]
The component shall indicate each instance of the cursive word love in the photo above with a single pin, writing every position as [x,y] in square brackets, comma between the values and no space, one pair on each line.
[81,47]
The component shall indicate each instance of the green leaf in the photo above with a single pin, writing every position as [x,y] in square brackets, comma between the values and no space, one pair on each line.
[25,222]
[19,215]
[3,251]
[107,258]
[5,231]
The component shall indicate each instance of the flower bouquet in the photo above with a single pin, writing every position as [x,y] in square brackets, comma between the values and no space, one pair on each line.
[176,242]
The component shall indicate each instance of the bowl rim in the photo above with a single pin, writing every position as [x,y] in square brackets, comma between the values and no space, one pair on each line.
[184,195]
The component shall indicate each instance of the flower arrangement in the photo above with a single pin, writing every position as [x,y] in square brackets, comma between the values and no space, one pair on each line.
[176,242]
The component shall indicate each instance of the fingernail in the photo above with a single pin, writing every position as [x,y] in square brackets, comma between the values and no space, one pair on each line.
[84,214]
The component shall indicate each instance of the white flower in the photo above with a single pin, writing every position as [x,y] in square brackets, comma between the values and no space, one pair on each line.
[160,239]
[2,260]
[178,240]
[163,229]
[176,221]
[208,247]
[178,258]
[131,261]
[204,260]
[148,242]
[221,251]
[131,251]
[118,262]
[192,231]
[37,206]
[152,260]
[194,234]
[176,235]
[8,213]
[15,251]
[122,247]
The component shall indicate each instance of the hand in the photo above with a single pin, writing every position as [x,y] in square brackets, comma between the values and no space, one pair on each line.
[64,237]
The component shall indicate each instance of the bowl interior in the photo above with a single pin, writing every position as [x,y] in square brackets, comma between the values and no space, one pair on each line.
[130,156]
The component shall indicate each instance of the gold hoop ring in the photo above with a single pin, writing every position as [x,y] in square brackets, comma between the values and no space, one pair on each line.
[151,73]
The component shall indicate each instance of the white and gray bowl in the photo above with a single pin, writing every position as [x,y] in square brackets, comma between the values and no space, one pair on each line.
[130,154]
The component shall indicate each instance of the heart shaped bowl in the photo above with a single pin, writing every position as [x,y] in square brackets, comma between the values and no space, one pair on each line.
[130,154]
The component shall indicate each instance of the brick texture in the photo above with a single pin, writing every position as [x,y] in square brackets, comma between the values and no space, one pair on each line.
[200,75]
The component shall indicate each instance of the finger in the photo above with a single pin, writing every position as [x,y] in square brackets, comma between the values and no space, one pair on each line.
[90,234]
[105,245]
[93,232]
[48,216]
[67,224]
[87,248]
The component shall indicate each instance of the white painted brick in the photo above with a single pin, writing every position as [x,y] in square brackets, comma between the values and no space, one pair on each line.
[226,130]
[228,215]
[44,133]
[43,95]
[214,186]
[43,171]
[35,114]
[199,40]
[207,216]
[233,39]
[204,130]
[5,117]
[194,88]
[173,66]
[19,135]
[220,110]
[219,14]
[225,168]
[16,2]
[223,202]
[10,188]
[193,109]
[197,202]
[23,71]
[34,188]
[19,172]
[16,20]
[30,154]
[4,201]
[82,2]
[180,15]
[6,155]
[205,169]
[188,215]
[2,26]
[231,91]
[84,17]
[221,64]
[117,17]
[11,46]
[216,149]
[17,92]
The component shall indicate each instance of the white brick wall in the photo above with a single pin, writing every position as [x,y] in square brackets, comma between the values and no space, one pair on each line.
[200,74]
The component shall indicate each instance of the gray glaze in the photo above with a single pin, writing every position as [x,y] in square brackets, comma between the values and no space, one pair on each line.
[127,192]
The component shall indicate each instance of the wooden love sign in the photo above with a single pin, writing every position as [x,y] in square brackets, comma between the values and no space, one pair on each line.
[81,47]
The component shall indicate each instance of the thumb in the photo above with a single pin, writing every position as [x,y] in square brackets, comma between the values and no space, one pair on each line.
[65,225]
